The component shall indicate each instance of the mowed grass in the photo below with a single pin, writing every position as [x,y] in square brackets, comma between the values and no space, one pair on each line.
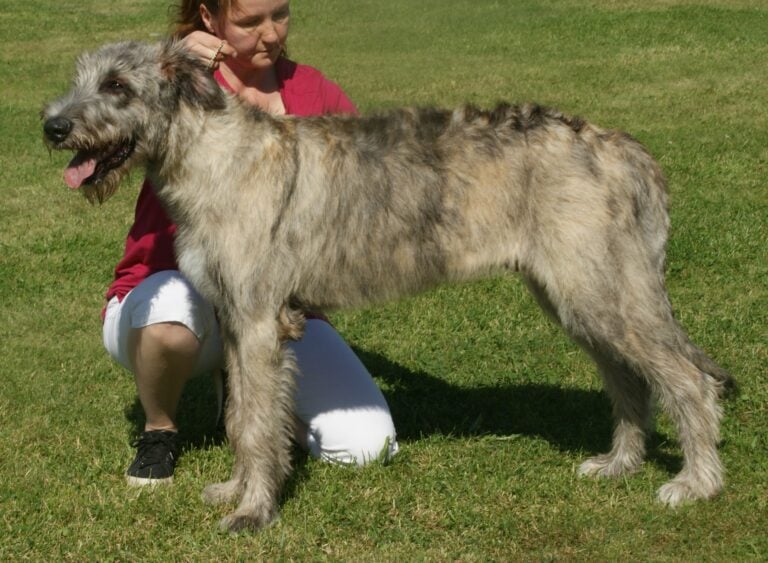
[495,408]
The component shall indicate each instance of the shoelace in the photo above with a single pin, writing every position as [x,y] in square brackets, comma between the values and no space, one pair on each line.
[154,446]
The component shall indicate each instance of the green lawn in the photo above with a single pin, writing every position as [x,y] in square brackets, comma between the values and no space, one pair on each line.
[494,407]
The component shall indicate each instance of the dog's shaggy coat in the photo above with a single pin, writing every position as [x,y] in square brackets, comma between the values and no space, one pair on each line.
[280,213]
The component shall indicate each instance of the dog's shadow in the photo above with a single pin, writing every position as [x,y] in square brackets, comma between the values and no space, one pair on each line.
[570,419]
[423,404]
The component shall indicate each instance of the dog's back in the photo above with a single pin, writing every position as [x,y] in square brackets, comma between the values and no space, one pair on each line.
[455,194]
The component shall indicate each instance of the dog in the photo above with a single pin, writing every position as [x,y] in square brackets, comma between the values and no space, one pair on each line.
[324,212]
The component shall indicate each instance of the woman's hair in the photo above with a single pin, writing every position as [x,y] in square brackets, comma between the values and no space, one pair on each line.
[187,17]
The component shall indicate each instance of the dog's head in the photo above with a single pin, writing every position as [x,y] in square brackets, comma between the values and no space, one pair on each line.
[118,113]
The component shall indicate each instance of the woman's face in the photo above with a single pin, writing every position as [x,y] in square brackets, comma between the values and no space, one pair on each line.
[256,29]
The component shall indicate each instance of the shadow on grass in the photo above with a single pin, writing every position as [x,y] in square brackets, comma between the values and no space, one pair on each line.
[574,420]
[196,416]
[423,405]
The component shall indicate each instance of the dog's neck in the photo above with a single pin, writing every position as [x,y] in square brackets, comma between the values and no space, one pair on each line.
[178,171]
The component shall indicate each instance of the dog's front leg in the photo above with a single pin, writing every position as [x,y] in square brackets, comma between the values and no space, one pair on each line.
[259,419]
[231,490]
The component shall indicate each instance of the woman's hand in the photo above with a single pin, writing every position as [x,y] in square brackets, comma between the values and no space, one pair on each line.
[208,48]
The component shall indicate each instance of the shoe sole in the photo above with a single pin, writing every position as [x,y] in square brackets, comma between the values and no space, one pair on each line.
[147,482]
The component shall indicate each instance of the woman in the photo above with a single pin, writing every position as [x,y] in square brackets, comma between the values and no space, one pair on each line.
[158,326]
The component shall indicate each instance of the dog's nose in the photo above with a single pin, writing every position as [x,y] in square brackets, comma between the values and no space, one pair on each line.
[57,129]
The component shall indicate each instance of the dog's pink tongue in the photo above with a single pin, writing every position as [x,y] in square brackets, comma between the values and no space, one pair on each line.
[78,170]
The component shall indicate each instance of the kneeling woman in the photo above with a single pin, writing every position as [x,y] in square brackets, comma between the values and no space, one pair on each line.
[160,328]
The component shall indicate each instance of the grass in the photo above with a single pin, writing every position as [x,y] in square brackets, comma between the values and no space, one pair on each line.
[494,407]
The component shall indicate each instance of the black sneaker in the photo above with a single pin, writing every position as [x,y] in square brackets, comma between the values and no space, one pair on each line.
[155,458]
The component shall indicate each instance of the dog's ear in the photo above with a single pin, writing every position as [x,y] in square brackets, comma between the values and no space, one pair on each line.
[188,77]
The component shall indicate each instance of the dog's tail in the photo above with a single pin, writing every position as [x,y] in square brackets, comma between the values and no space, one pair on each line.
[650,189]
[726,384]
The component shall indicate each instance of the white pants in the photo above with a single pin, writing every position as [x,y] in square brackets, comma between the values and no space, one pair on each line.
[347,418]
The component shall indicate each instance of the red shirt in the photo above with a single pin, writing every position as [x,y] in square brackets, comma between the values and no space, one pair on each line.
[149,246]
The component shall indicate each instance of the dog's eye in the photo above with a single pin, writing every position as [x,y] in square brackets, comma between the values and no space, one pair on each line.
[114,86]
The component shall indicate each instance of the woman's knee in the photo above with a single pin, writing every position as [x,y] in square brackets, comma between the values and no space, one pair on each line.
[166,312]
[353,437]
[169,338]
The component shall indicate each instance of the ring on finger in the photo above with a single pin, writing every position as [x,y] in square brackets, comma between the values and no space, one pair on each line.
[215,56]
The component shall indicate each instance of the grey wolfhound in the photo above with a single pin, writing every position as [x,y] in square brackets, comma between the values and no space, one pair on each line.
[279,214]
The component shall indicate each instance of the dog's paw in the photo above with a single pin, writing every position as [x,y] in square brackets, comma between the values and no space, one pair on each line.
[684,489]
[675,493]
[221,493]
[607,465]
[592,467]
[240,521]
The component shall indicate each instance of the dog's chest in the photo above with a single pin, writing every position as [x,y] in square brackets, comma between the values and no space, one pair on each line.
[194,264]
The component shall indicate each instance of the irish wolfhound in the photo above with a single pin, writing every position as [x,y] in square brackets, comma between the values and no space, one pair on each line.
[286,213]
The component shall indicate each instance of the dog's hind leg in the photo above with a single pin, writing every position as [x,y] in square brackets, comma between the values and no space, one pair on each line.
[258,425]
[619,311]
[689,396]
[631,400]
